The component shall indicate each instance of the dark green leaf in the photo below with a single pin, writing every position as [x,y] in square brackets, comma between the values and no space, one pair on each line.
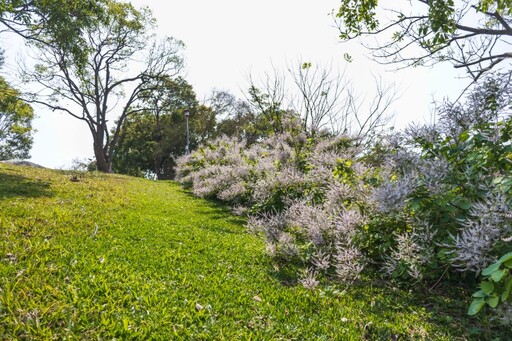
[508,287]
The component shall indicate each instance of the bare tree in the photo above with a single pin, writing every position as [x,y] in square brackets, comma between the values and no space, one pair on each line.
[124,60]
[326,101]
[267,96]
[321,97]
[365,117]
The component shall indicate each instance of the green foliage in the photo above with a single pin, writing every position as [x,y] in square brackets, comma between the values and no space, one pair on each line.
[150,140]
[503,6]
[55,22]
[378,238]
[444,30]
[495,286]
[110,256]
[360,15]
[15,124]
[357,16]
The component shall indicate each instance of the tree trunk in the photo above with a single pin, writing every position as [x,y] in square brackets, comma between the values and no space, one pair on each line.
[163,169]
[103,164]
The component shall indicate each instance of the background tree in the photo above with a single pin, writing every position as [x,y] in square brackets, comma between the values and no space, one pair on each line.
[322,99]
[15,122]
[236,117]
[267,99]
[124,60]
[153,138]
[471,34]
[327,101]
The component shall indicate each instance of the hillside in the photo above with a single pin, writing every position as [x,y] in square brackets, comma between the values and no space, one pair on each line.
[95,256]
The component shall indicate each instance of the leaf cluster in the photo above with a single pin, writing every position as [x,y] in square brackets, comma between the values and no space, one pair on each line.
[495,286]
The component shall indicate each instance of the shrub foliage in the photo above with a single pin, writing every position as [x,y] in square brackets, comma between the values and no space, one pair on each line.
[429,204]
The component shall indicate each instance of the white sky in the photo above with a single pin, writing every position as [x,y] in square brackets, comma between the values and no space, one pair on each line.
[226,40]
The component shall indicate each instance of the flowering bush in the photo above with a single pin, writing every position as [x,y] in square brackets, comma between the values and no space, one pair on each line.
[304,195]
[216,170]
[443,198]
[429,201]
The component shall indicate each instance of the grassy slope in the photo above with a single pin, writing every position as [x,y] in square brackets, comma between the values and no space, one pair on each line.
[112,256]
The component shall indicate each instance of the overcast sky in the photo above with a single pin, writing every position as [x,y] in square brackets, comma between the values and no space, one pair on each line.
[227,40]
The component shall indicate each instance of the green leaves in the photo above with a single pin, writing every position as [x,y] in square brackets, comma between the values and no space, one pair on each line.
[487,287]
[357,15]
[476,306]
[505,258]
[497,275]
[491,268]
[15,124]
[496,286]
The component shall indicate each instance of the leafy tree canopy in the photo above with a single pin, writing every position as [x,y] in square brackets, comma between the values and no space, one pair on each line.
[471,34]
[55,22]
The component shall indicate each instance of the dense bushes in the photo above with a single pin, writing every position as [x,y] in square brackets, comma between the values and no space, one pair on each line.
[428,204]
[305,195]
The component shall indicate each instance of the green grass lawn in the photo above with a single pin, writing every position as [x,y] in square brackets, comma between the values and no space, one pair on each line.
[94,256]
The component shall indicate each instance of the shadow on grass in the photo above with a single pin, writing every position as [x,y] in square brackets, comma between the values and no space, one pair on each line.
[230,223]
[218,210]
[286,275]
[12,186]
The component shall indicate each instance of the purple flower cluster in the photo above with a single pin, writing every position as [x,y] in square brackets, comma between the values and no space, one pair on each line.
[320,217]
[488,223]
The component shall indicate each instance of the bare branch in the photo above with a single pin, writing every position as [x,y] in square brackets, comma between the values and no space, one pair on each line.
[468,37]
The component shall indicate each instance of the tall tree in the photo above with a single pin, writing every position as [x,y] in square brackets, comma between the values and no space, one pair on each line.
[123,61]
[471,34]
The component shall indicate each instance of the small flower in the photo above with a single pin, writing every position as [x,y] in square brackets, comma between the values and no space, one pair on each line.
[308,279]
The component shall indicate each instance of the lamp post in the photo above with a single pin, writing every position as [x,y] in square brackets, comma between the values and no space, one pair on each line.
[187,148]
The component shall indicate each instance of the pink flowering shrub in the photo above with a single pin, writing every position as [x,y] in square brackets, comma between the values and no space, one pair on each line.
[216,170]
[443,199]
[423,205]
[303,195]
